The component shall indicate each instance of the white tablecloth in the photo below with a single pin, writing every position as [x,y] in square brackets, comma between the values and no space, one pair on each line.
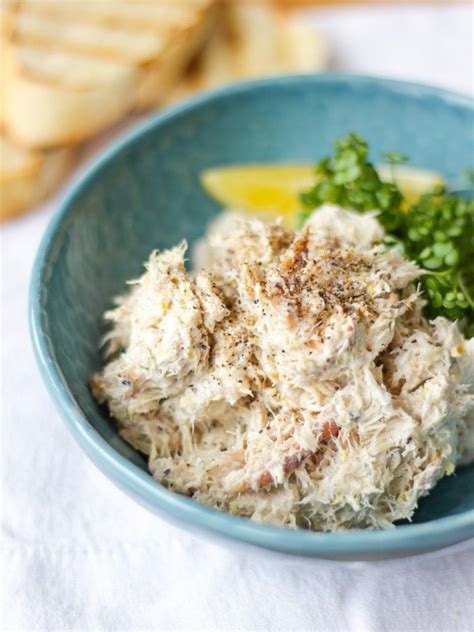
[79,555]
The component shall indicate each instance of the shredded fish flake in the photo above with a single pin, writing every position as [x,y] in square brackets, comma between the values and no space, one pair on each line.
[291,378]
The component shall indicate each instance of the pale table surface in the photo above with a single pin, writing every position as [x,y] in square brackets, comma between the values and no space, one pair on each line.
[79,555]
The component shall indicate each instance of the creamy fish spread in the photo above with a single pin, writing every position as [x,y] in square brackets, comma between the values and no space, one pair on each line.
[291,378]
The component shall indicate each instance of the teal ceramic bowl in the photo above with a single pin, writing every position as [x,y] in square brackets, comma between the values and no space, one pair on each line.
[144,193]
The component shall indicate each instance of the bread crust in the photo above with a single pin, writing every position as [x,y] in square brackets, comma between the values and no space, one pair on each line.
[65,92]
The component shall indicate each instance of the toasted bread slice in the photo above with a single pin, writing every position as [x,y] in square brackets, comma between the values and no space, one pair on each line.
[136,14]
[71,72]
[302,48]
[254,39]
[46,105]
[115,39]
[28,176]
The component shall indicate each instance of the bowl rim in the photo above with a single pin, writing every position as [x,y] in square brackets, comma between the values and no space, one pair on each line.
[440,532]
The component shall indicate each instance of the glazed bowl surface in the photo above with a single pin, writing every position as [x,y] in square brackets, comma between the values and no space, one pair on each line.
[144,193]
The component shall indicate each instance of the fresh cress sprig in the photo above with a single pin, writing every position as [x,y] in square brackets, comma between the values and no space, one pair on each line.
[437,231]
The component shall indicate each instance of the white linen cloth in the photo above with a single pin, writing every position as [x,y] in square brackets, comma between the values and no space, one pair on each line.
[78,555]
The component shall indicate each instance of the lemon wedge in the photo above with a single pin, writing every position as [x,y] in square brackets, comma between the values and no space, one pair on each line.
[412,182]
[273,190]
[266,190]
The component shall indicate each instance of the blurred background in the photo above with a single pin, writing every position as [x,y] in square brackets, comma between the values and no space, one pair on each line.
[75,73]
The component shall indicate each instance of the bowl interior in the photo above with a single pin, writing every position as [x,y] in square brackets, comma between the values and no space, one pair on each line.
[145,194]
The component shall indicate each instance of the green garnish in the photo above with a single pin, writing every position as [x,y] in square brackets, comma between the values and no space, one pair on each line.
[437,231]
